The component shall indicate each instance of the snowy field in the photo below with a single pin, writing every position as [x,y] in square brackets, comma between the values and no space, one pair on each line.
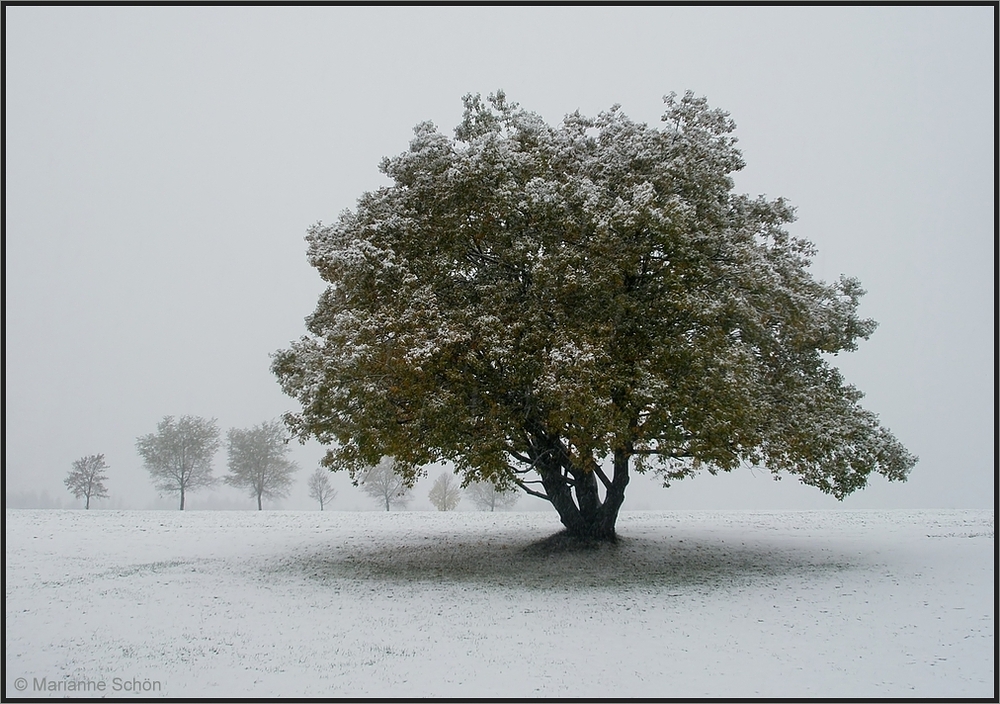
[409,604]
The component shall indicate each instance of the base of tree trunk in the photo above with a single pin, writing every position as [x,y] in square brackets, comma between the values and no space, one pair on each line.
[566,542]
[585,516]
[593,534]
[598,527]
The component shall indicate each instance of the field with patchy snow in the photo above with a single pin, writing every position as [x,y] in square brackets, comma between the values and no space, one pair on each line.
[688,604]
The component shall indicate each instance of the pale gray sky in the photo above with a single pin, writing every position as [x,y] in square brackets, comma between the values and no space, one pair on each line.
[163,163]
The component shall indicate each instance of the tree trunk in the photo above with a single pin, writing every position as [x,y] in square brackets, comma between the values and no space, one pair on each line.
[87,505]
[182,498]
[587,517]
[260,506]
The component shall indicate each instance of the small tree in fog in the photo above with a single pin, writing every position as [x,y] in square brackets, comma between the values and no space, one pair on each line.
[445,493]
[487,497]
[87,478]
[179,454]
[258,461]
[320,488]
[385,486]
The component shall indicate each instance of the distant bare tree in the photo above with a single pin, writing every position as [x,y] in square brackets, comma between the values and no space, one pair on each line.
[87,478]
[258,461]
[487,497]
[179,454]
[320,488]
[445,494]
[384,485]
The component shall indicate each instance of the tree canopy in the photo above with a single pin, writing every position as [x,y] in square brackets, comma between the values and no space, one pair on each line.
[258,461]
[548,306]
[486,497]
[445,494]
[320,487]
[87,478]
[179,454]
[385,484]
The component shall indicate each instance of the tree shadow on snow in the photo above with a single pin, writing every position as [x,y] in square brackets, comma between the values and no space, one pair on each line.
[561,562]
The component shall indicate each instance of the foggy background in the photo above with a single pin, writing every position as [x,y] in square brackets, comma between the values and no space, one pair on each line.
[163,163]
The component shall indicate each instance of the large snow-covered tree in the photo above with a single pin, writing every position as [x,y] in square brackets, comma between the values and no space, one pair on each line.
[179,454]
[86,479]
[258,461]
[554,307]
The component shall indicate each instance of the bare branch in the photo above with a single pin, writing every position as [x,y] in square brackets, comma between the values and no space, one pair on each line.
[539,494]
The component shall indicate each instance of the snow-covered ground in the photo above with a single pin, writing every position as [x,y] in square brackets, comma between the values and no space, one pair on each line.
[688,604]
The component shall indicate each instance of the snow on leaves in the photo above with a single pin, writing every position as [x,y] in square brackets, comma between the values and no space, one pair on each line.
[526,294]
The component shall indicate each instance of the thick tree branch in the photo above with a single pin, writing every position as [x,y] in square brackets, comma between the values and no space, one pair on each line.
[524,486]
[602,476]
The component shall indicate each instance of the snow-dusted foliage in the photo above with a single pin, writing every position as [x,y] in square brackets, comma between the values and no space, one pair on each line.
[384,483]
[258,461]
[179,454]
[320,488]
[554,300]
[445,493]
[86,479]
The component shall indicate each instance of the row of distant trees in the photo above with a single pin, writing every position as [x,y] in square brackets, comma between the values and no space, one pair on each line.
[383,484]
[178,457]
[446,493]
